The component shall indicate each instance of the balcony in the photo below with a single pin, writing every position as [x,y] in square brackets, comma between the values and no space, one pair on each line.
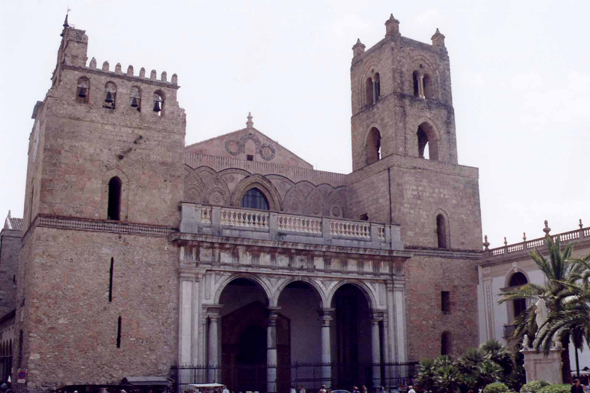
[275,226]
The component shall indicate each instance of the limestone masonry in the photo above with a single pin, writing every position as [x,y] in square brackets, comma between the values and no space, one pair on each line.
[139,256]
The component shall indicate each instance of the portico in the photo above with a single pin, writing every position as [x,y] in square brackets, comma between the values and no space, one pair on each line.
[253,303]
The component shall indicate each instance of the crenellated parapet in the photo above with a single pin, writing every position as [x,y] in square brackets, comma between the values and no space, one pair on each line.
[115,95]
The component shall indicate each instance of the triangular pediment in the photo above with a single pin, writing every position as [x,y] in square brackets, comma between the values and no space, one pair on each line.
[248,144]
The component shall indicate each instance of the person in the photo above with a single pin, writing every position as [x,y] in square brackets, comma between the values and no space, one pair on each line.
[225,389]
[355,389]
[363,389]
[302,389]
[411,389]
[293,390]
[577,387]
[322,389]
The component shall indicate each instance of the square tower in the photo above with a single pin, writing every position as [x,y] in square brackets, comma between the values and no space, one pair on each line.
[401,99]
[405,152]
[105,176]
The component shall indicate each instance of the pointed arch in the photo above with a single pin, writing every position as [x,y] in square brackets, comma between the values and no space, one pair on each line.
[373,151]
[426,134]
[442,229]
[261,183]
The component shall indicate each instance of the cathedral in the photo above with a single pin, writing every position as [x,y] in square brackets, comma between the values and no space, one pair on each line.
[232,260]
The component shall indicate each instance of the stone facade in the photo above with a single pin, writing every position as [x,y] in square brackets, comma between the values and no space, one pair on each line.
[140,254]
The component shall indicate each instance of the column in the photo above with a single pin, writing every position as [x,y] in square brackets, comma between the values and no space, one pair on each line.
[271,350]
[185,320]
[421,86]
[376,351]
[213,363]
[386,355]
[399,300]
[326,316]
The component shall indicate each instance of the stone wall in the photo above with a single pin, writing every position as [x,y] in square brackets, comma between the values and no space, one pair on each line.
[71,326]
[426,278]
[10,243]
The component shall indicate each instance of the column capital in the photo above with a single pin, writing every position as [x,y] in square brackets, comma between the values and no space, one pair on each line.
[326,316]
[213,311]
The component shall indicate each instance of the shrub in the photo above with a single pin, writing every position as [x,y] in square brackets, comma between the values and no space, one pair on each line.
[496,387]
[556,388]
[533,386]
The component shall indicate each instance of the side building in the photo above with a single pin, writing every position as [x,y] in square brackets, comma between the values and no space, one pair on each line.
[145,257]
[510,266]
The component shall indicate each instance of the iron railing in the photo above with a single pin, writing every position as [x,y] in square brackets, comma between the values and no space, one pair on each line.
[253,377]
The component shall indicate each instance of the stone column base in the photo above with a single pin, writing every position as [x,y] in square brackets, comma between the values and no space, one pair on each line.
[541,367]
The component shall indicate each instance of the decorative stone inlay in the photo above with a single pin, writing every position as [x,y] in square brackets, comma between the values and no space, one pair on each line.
[237,147]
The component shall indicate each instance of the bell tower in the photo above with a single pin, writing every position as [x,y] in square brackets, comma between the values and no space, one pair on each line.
[401,99]
[105,178]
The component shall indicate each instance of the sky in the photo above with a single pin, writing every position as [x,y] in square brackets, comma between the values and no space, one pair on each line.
[520,75]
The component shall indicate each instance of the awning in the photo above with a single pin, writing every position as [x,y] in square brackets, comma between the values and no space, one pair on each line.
[146,381]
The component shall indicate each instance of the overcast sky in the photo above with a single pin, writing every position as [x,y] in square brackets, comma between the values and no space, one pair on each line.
[520,72]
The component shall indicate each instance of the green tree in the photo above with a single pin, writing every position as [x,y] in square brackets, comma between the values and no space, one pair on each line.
[561,274]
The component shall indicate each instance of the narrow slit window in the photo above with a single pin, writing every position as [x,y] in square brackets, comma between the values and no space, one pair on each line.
[441,231]
[111,271]
[445,343]
[114,207]
[446,302]
[119,332]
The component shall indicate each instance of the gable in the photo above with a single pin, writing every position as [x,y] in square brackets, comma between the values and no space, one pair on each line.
[248,144]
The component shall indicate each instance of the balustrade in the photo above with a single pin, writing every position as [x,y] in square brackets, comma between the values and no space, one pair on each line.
[220,221]
[350,229]
[536,243]
[244,218]
[299,224]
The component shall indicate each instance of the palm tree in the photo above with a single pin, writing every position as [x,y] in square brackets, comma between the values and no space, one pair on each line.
[561,274]
[573,319]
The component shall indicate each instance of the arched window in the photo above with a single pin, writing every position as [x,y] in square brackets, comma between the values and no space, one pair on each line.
[377,86]
[255,199]
[416,83]
[159,103]
[373,147]
[446,343]
[519,305]
[83,90]
[423,150]
[427,143]
[135,98]
[110,96]
[369,91]
[441,231]
[114,206]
